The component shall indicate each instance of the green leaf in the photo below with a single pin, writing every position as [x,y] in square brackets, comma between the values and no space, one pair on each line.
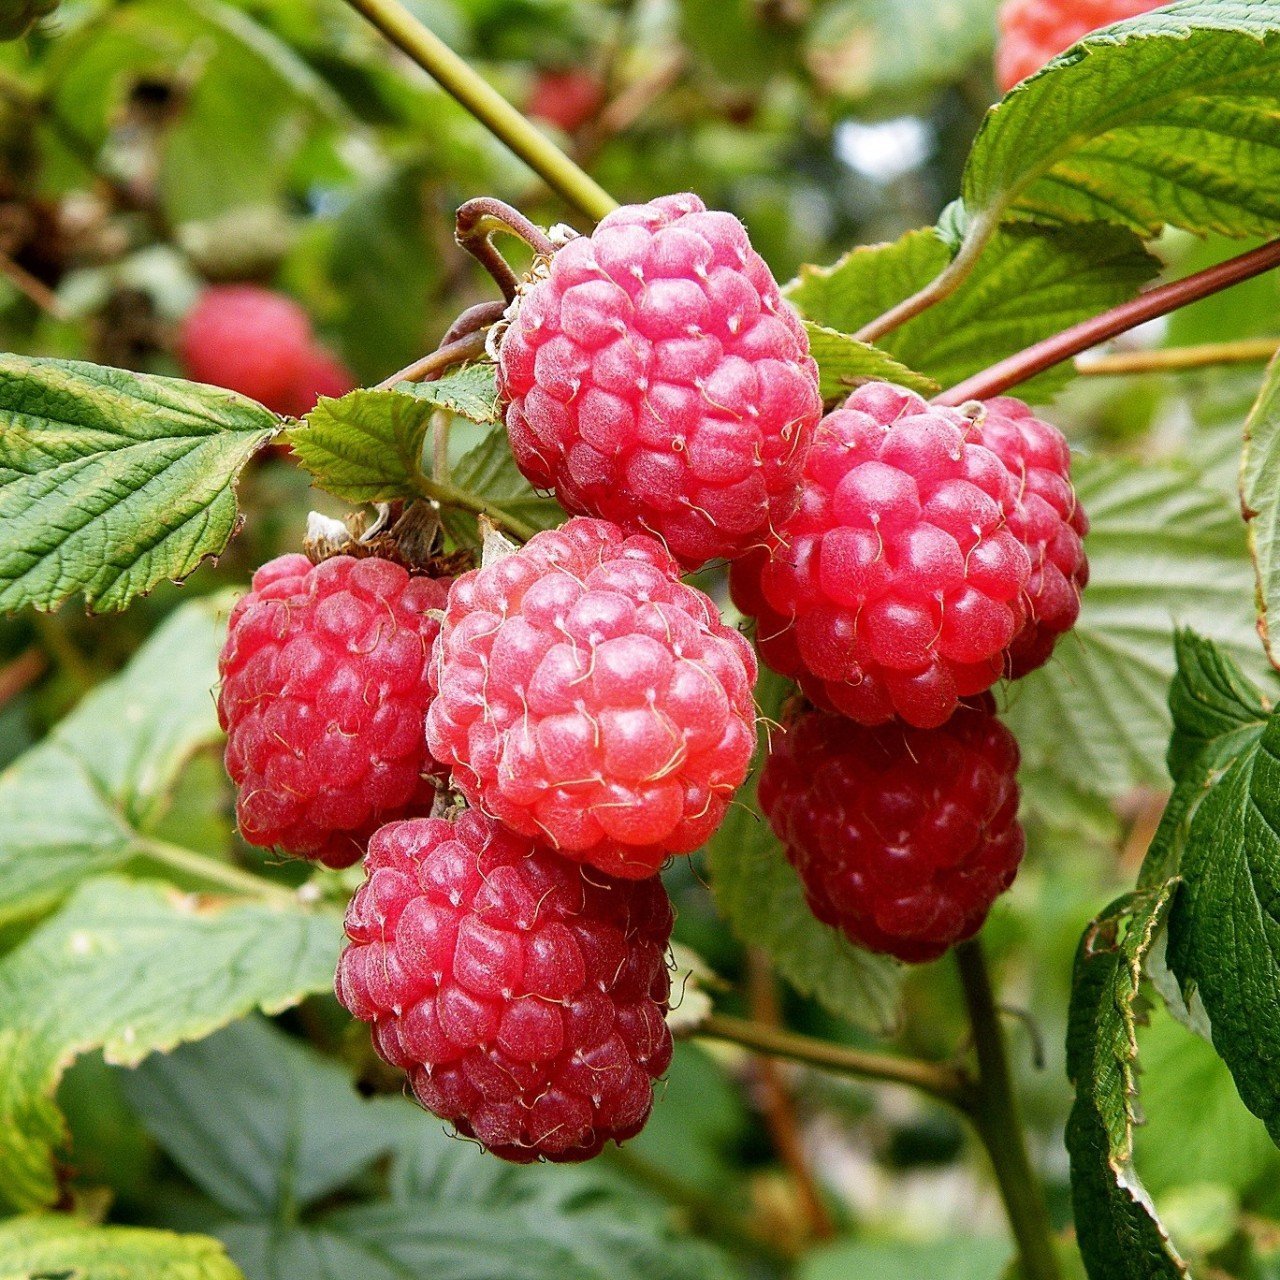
[111,482]
[131,968]
[471,392]
[1224,933]
[489,472]
[262,1123]
[1119,1235]
[1027,284]
[365,447]
[844,362]
[1163,552]
[855,48]
[82,800]
[1167,118]
[1260,499]
[57,1246]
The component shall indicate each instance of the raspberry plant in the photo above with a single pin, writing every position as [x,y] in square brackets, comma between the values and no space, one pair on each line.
[992,825]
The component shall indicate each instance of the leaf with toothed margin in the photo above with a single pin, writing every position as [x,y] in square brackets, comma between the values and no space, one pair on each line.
[111,482]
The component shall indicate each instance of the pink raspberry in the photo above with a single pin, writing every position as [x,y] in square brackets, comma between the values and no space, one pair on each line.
[654,376]
[897,587]
[1047,519]
[247,339]
[566,98]
[1034,31]
[589,698]
[523,995]
[903,837]
[324,689]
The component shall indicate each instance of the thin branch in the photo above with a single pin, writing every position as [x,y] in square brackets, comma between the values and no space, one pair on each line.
[21,673]
[1177,359]
[33,289]
[1147,306]
[459,351]
[942,286]
[488,106]
[946,1083]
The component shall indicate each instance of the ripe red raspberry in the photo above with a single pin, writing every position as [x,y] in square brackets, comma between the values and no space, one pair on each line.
[566,98]
[1046,519]
[589,698]
[247,339]
[654,376]
[523,995]
[324,689]
[897,586]
[1034,31]
[903,837]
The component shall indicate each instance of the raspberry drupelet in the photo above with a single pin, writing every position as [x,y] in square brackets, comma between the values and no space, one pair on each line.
[1047,519]
[903,837]
[1034,31]
[654,376]
[898,585]
[586,696]
[324,689]
[523,993]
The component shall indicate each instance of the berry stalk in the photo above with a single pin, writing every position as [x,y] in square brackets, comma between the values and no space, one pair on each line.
[487,105]
[222,874]
[993,1109]
[1089,333]
[947,1084]
[1204,355]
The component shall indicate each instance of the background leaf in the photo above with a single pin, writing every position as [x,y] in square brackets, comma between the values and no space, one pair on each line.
[1260,497]
[111,482]
[132,968]
[85,798]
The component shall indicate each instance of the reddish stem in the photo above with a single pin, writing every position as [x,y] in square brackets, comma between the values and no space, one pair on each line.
[1147,306]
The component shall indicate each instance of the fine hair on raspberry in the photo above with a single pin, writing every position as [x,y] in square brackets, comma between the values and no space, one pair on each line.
[588,697]
[523,993]
[325,683]
[903,837]
[898,586]
[653,375]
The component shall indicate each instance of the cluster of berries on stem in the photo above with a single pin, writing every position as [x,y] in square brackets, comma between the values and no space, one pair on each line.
[596,714]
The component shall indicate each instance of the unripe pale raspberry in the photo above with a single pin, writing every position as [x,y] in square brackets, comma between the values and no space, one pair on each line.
[587,697]
[524,995]
[1034,31]
[903,837]
[655,376]
[566,98]
[1047,519]
[247,339]
[897,586]
[324,689]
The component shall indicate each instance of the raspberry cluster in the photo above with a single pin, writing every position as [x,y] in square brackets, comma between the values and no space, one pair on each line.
[324,689]
[524,996]
[653,375]
[586,696]
[1034,31]
[903,837]
[261,344]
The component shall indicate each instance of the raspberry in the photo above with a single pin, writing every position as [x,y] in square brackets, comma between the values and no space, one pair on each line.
[588,697]
[567,98]
[903,837]
[324,687]
[654,376]
[1034,31]
[247,339]
[1047,520]
[321,374]
[524,996]
[897,586]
